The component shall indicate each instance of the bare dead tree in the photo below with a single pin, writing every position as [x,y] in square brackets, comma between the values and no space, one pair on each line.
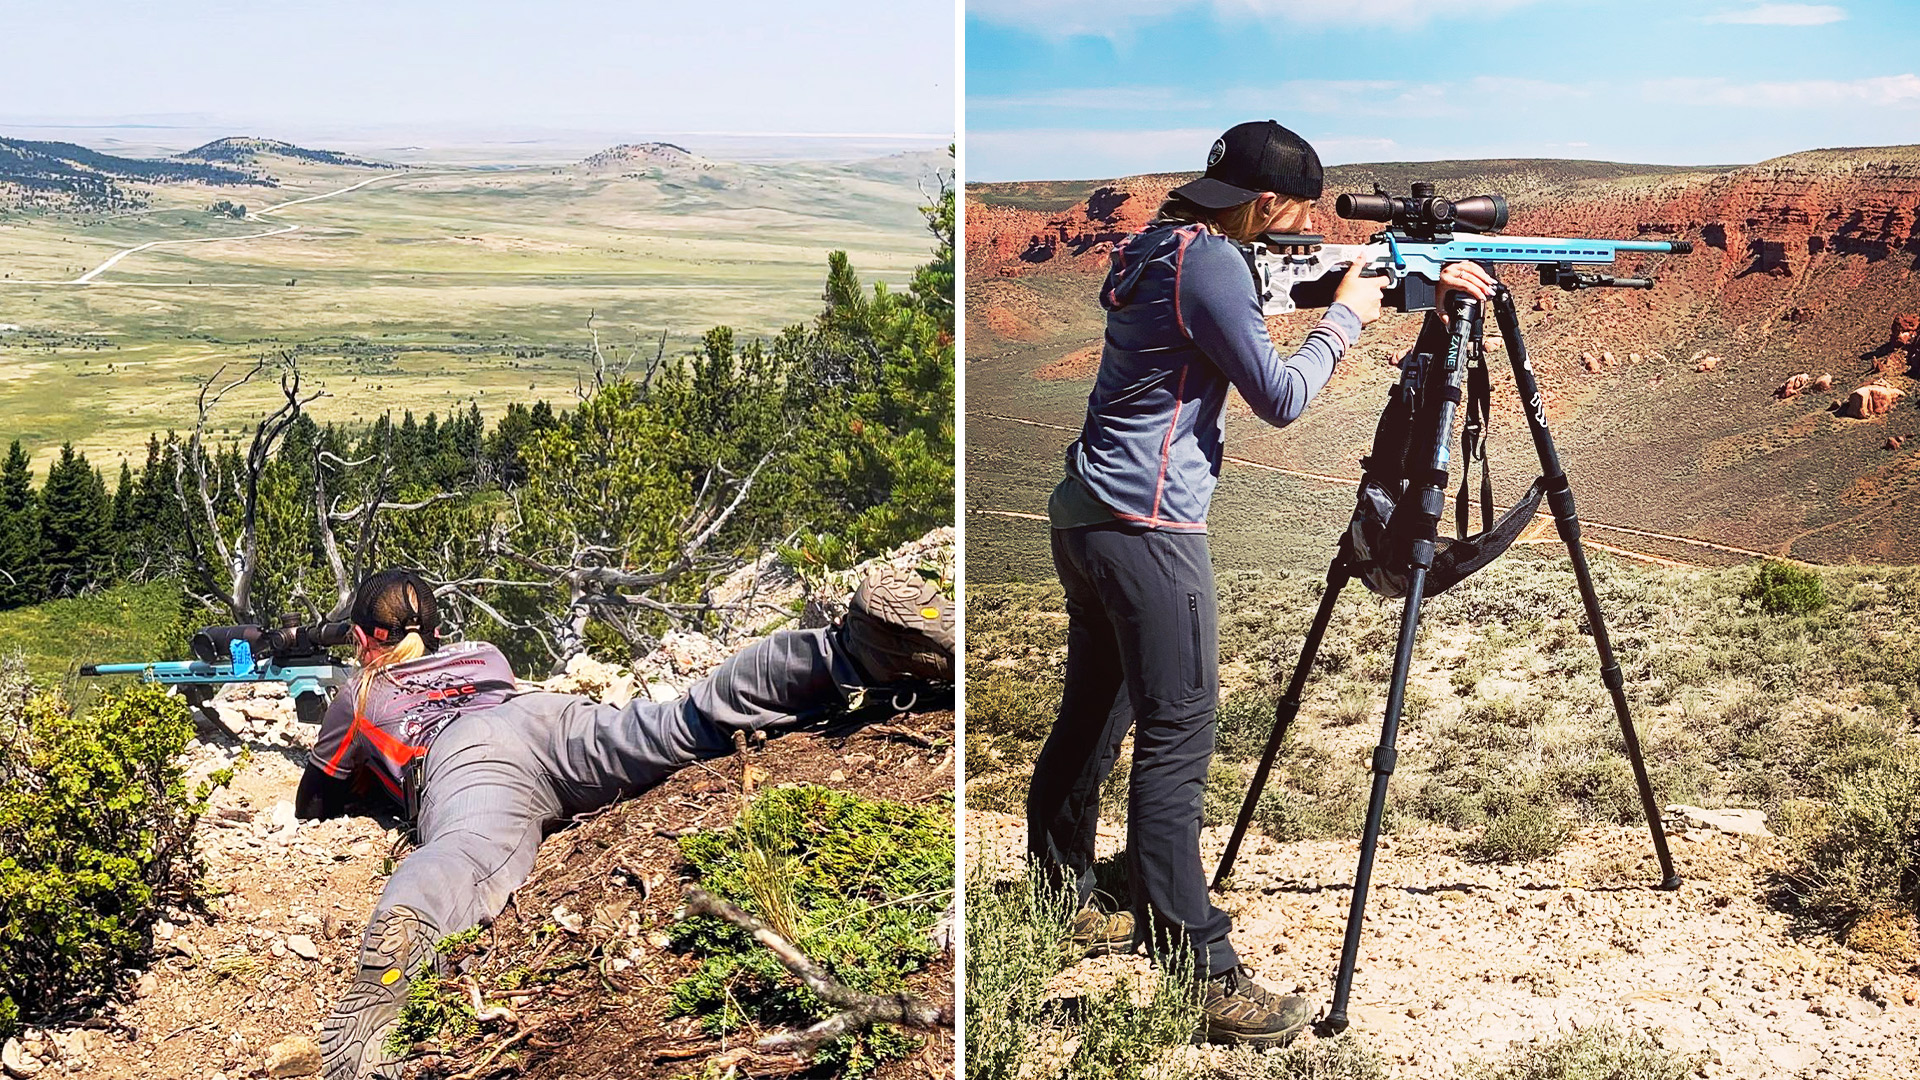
[327,514]
[613,366]
[224,563]
[592,574]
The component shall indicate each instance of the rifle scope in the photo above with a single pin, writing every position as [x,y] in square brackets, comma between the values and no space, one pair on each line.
[1425,214]
[214,644]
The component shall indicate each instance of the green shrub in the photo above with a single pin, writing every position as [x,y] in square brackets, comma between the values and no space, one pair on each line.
[1858,852]
[859,881]
[1015,1031]
[433,1011]
[1002,702]
[1244,722]
[1784,588]
[1523,824]
[95,837]
[1449,806]
[1598,1053]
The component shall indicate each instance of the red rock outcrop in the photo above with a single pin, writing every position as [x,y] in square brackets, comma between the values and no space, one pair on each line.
[1871,400]
[1793,386]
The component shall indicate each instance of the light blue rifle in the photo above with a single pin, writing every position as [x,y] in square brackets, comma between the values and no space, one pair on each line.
[1294,271]
[224,655]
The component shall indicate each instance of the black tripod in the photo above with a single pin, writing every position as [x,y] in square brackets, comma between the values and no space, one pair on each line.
[1425,500]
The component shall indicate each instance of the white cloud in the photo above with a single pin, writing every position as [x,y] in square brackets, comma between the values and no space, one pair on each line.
[1113,18]
[1297,97]
[1887,91]
[1782,15]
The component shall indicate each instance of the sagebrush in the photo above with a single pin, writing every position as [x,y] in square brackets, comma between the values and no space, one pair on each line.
[96,838]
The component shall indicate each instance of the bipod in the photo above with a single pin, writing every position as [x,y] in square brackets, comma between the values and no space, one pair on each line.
[1425,501]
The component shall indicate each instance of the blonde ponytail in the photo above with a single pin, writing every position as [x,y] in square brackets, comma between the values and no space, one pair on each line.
[411,647]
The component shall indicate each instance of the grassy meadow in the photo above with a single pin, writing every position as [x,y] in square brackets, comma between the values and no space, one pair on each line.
[123,624]
[425,289]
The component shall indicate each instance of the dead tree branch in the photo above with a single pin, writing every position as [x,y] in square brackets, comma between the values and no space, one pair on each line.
[858,1011]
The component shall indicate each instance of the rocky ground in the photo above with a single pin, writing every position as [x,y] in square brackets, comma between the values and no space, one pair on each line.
[238,988]
[1462,961]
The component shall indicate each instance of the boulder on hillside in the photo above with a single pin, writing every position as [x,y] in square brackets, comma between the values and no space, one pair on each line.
[1894,442]
[1793,386]
[1906,330]
[1870,401]
[1707,363]
[1822,384]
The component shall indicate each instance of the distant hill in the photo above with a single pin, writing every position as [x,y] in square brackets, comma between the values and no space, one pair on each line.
[65,169]
[1666,399]
[639,157]
[922,166]
[246,150]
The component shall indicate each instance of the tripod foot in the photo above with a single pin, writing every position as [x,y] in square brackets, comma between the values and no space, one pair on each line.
[1672,884]
[1334,1024]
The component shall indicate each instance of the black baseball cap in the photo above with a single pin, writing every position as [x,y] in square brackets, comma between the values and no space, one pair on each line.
[1251,158]
[393,603]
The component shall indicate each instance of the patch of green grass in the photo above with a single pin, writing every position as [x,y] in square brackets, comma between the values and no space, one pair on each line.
[123,624]
[1603,1052]
[1523,824]
[434,1011]
[859,883]
[1857,852]
[1734,705]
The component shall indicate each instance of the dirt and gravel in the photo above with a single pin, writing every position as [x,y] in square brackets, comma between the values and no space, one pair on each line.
[1463,961]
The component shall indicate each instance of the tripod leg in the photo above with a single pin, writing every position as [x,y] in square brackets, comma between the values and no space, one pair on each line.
[1567,521]
[1337,577]
[1384,757]
[1423,504]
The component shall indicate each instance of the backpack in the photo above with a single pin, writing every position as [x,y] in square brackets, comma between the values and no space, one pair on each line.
[1380,536]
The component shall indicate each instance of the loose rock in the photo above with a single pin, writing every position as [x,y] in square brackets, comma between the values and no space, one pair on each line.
[295,1055]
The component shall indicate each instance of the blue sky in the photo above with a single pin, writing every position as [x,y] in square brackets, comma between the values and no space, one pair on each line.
[824,66]
[1073,89]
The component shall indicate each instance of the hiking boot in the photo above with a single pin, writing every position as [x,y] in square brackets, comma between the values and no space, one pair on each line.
[1238,1010]
[900,627]
[1097,933]
[353,1041]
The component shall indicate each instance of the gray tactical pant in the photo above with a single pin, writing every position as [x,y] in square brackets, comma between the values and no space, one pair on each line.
[497,778]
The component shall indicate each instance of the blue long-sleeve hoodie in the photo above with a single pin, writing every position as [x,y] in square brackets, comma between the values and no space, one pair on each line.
[1183,323]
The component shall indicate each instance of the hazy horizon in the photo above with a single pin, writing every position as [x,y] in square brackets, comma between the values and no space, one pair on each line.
[144,136]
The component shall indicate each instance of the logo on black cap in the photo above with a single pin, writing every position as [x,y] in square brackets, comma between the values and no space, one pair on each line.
[1252,158]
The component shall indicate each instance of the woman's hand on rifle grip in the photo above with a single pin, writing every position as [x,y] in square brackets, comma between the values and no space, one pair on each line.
[1361,294]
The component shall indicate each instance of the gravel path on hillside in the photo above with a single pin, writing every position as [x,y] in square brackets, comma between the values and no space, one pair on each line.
[1461,961]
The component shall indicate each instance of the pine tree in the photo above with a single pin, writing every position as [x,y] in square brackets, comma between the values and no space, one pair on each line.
[124,529]
[76,547]
[19,533]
